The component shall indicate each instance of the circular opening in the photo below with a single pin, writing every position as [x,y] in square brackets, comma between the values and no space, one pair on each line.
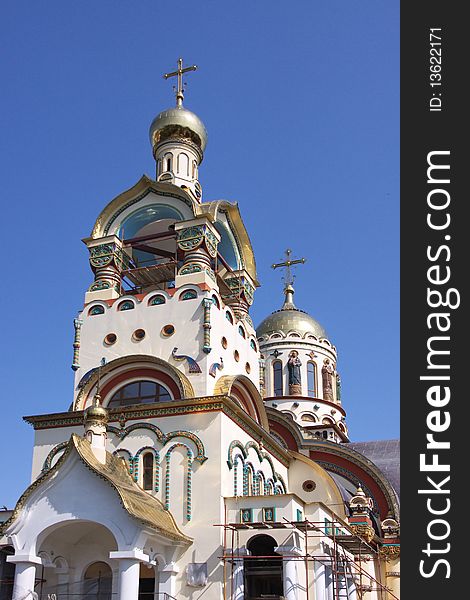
[248,368]
[110,339]
[168,330]
[224,343]
[236,356]
[138,335]
[309,485]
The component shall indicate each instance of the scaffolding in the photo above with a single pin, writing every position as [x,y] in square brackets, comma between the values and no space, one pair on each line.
[348,552]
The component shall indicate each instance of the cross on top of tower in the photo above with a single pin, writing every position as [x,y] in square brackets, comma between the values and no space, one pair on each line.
[179,88]
[287,264]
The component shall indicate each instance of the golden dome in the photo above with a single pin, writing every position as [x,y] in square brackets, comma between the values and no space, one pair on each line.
[290,318]
[96,412]
[178,120]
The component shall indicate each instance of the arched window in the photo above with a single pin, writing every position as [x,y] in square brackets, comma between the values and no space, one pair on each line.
[126,305]
[156,300]
[229,317]
[147,471]
[139,392]
[188,295]
[311,383]
[215,300]
[168,158]
[241,331]
[253,345]
[96,310]
[277,378]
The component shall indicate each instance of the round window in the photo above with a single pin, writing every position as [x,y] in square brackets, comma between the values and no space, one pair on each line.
[110,339]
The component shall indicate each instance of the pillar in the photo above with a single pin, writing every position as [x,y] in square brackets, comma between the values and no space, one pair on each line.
[25,576]
[167,580]
[107,260]
[197,246]
[129,572]
[237,589]
[320,580]
[291,572]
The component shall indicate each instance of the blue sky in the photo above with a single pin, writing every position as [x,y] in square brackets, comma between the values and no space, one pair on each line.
[301,103]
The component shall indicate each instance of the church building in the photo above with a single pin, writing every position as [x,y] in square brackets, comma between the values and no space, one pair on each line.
[199,457]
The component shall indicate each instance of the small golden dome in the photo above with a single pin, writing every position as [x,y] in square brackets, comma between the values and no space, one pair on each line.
[96,412]
[178,120]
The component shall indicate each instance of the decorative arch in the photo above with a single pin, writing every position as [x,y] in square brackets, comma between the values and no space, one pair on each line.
[242,388]
[128,457]
[106,222]
[189,455]
[123,365]
[243,456]
[52,454]
[162,437]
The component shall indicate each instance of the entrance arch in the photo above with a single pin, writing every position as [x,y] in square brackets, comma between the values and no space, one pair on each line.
[97,582]
[263,569]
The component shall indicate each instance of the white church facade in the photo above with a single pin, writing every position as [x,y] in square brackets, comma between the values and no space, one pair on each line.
[199,457]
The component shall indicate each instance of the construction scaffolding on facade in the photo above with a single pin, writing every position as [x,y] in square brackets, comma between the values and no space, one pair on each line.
[348,552]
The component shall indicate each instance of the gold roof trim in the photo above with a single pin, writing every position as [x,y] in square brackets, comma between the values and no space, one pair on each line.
[143,186]
[238,229]
[185,387]
[136,502]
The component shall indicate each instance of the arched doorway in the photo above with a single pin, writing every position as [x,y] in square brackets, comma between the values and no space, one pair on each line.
[97,582]
[263,575]
[147,582]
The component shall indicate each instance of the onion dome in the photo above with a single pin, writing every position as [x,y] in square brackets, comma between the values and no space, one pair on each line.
[290,318]
[178,122]
[95,413]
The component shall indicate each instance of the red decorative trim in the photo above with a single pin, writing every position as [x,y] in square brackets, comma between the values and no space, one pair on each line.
[142,374]
[360,474]
[285,434]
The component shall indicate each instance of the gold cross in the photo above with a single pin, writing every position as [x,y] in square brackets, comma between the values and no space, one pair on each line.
[179,75]
[289,278]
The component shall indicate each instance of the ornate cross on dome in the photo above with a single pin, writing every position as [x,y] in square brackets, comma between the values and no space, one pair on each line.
[287,264]
[179,91]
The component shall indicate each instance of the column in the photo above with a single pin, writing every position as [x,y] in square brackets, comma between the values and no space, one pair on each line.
[107,260]
[238,578]
[167,580]
[129,572]
[25,576]
[320,587]
[197,246]
[293,590]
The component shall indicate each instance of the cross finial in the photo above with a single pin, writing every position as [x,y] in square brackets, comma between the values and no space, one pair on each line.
[287,264]
[179,88]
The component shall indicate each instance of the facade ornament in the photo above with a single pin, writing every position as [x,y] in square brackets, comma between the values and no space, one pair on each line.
[216,366]
[327,374]
[107,261]
[360,521]
[197,242]
[293,367]
[192,364]
[207,304]
[241,294]
[77,323]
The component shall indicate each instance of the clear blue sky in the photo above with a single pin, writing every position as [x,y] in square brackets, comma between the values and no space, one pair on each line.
[301,102]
